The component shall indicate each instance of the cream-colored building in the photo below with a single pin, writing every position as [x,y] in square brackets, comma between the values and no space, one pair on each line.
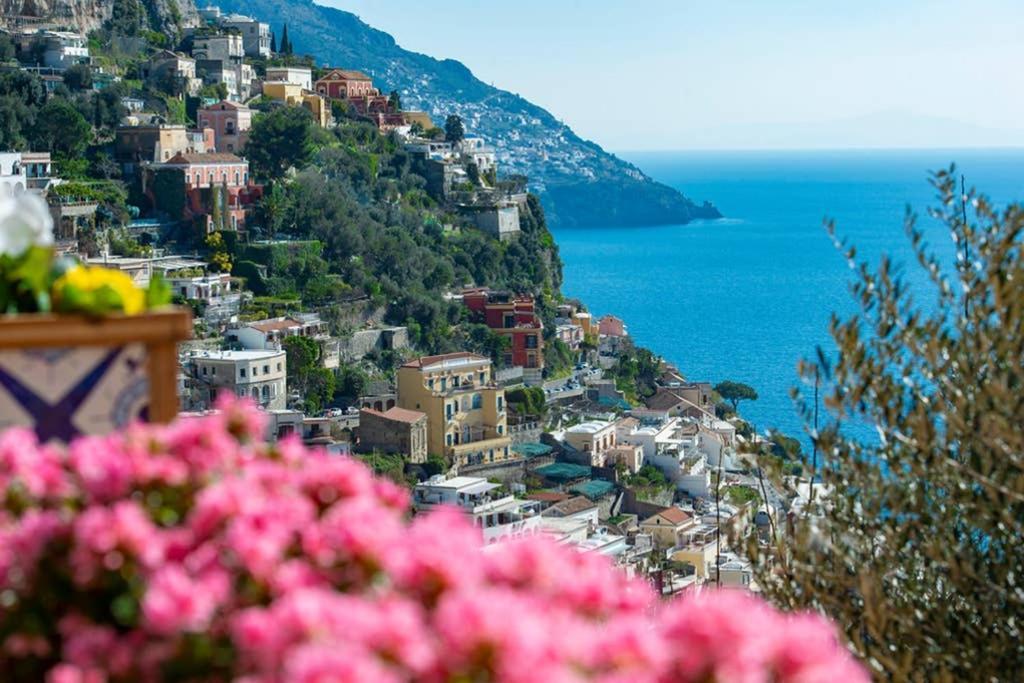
[668,526]
[595,438]
[466,416]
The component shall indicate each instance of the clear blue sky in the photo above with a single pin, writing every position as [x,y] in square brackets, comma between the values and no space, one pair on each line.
[677,74]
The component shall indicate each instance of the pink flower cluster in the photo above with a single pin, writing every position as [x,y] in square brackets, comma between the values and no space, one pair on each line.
[195,552]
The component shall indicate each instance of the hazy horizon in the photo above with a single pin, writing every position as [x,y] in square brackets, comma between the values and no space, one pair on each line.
[744,75]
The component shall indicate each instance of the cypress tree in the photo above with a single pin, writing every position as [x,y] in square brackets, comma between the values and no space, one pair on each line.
[273,42]
[286,45]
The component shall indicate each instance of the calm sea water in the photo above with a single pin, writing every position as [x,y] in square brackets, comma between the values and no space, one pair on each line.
[745,297]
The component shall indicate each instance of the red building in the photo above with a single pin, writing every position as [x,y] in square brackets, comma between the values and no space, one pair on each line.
[342,84]
[515,317]
[216,185]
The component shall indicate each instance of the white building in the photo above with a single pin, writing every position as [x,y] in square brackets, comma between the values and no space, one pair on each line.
[594,438]
[476,151]
[498,517]
[260,375]
[222,305]
[219,48]
[13,179]
[269,333]
[255,34]
[62,49]
[297,75]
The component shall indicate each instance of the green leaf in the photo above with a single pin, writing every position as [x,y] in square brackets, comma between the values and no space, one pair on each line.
[159,292]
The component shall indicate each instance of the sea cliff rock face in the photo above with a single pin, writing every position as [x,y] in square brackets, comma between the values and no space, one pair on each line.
[166,16]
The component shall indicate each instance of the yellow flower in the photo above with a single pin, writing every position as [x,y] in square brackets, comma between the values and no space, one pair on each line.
[89,287]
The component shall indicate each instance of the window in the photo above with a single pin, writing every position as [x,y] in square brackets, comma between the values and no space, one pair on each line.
[444,384]
[430,383]
[255,370]
[236,177]
[241,372]
[279,367]
[477,401]
[204,370]
[531,341]
[266,369]
[501,430]
[510,320]
[210,178]
[448,439]
[501,403]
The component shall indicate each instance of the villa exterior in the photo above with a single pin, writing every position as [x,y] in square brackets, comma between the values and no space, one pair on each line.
[466,416]
[230,122]
[260,375]
[344,84]
[514,317]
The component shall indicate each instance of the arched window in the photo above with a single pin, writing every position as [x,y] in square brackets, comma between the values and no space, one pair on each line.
[255,393]
[236,177]
[266,392]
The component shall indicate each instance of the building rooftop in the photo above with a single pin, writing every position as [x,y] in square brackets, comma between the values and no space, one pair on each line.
[461,484]
[549,496]
[275,324]
[673,515]
[207,158]
[573,505]
[591,427]
[347,74]
[236,355]
[459,358]
[397,414]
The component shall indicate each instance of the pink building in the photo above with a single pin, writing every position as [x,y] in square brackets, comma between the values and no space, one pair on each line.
[205,174]
[230,122]
[344,84]
[610,326]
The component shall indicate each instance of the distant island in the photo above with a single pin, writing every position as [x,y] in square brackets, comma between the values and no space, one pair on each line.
[579,183]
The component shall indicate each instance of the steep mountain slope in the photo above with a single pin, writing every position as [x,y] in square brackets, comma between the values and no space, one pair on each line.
[579,183]
[166,16]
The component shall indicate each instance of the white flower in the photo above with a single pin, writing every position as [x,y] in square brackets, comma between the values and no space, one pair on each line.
[24,221]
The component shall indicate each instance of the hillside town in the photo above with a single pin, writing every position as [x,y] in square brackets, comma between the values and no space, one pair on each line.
[555,423]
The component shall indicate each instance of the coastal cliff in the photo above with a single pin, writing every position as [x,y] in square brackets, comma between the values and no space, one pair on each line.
[163,16]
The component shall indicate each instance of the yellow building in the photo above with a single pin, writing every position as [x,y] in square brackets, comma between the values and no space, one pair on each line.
[466,419]
[293,94]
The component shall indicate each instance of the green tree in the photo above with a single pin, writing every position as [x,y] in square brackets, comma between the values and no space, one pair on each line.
[315,384]
[78,77]
[16,123]
[395,101]
[273,42]
[734,392]
[61,129]
[916,551]
[286,44]
[454,131]
[352,382]
[279,140]
[6,48]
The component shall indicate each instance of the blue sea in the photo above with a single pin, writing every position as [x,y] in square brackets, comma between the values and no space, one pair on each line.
[746,297]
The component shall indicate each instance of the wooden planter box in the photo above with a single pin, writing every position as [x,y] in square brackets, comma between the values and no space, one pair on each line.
[64,375]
